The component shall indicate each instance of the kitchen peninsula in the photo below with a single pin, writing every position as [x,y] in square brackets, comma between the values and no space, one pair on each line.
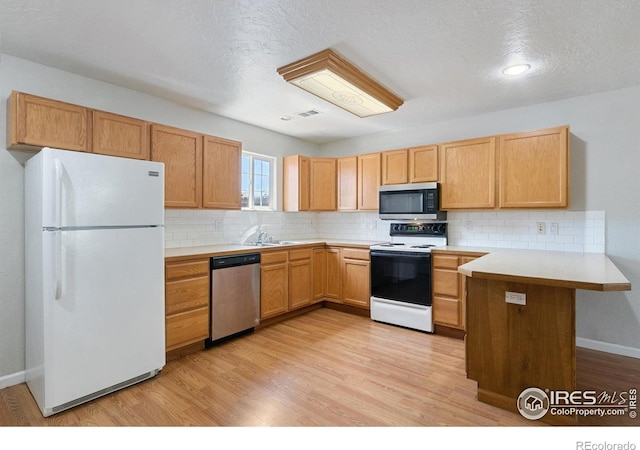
[521,319]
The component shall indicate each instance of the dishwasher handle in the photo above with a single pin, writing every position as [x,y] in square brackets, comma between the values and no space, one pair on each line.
[223,262]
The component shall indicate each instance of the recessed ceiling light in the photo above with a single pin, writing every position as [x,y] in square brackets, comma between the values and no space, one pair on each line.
[286,118]
[518,69]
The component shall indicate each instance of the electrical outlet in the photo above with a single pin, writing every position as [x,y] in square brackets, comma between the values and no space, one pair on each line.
[516,298]
[468,224]
[218,224]
[555,228]
[541,228]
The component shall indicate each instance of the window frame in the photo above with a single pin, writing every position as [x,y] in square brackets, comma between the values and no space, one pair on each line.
[272,194]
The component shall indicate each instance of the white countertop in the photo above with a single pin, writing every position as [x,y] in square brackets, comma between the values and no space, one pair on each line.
[592,271]
[208,250]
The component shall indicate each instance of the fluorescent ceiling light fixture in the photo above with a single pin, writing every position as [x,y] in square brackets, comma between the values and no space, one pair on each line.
[334,79]
[516,70]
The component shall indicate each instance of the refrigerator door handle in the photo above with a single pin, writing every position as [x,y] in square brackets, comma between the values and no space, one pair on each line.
[57,263]
[58,194]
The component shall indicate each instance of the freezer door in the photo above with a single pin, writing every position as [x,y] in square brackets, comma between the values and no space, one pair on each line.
[87,190]
[107,325]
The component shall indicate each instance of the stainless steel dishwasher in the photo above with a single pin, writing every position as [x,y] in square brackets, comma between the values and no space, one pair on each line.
[235,295]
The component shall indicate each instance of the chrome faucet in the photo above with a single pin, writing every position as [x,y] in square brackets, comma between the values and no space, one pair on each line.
[262,237]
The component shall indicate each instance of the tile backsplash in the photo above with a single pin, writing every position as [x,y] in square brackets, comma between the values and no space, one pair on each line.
[576,231]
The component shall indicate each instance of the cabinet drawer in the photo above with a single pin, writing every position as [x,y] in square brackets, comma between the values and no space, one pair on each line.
[446,282]
[355,253]
[183,295]
[445,261]
[305,253]
[446,311]
[273,257]
[187,269]
[187,328]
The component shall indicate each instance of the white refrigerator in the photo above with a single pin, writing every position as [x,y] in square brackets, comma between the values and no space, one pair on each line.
[94,275]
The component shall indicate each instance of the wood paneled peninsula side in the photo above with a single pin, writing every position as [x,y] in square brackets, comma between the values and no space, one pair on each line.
[521,322]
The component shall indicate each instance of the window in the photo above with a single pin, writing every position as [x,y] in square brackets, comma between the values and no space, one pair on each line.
[257,181]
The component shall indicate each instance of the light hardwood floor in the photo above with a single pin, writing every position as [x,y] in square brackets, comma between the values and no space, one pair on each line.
[324,368]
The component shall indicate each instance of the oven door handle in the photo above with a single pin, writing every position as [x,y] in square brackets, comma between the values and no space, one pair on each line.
[385,253]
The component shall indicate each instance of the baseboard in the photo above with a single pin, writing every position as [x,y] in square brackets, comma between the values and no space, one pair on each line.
[608,347]
[12,379]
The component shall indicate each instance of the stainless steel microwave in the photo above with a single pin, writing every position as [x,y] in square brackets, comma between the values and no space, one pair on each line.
[416,201]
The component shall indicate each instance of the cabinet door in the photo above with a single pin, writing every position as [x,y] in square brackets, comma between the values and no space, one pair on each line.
[368,181]
[300,278]
[274,289]
[423,164]
[356,289]
[394,166]
[40,122]
[468,174]
[319,273]
[181,153]
[296,183]
[322,178]
[463,292]
[116,135]
[221,173]
[333,284]
[347,183]
[534,169]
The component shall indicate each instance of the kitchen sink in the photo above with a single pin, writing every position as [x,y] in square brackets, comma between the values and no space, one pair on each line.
[273,244]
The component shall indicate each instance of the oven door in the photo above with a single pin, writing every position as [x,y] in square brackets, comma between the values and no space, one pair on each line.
[401,276]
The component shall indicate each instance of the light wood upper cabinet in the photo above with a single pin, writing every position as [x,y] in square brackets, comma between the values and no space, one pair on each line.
[37,122]
[116,135]
[322,181]
[423,164]
[221,173]
[534,169]
[394,166]
[468,174]
[347,183]
[368,181]
[181,153]
[295,183]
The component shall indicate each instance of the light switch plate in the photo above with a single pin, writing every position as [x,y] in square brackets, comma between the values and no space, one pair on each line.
[516,298]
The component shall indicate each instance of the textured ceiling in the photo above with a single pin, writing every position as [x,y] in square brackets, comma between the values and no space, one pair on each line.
[444,58]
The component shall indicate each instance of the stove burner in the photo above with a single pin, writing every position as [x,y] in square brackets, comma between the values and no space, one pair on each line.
[422,246]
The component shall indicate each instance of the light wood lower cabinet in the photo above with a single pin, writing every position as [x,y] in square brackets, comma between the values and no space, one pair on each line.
[356,287]
[300,278]
[319,264]
[333,281]
[449,290]
[274,284]
[187,287]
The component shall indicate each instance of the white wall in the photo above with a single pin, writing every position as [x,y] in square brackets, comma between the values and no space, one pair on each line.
[605,163]
[20,75]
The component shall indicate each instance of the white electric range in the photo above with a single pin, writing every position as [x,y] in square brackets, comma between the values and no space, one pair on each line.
[401,274]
